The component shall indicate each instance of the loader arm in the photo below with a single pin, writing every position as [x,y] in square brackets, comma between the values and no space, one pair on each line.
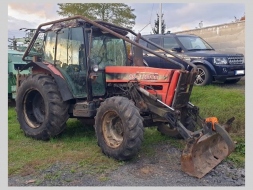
[205,147]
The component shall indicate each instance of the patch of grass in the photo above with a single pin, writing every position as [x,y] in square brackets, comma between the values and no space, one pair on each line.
[223,103]
[53,176]
[77,144]
[73,170]
[38,182]
[213,101]
[238,156]
[104,178]
[153,137]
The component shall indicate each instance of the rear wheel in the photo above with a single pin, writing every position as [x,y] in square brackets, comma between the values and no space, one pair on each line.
[40,109]
[119,128]
[203,76]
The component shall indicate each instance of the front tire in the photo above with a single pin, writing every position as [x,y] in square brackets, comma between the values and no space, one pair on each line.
[203,76]
[119,128]
[40,109]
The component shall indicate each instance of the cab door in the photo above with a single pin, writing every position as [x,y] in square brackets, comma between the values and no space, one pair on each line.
[71,59]
[106,50]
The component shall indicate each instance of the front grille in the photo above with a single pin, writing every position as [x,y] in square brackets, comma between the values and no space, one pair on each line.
[235,60]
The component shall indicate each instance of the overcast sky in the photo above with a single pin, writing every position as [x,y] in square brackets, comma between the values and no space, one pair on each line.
[177,16]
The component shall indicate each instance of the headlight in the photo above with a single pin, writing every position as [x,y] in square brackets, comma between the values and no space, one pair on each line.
[220,60]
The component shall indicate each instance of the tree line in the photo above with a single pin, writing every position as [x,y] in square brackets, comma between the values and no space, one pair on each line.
[116,13]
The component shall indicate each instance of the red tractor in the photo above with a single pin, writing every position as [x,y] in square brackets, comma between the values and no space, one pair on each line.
[81,70]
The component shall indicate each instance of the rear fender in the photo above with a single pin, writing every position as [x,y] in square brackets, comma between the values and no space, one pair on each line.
[38,67]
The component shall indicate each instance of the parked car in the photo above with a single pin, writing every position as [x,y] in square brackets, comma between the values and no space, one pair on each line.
[211,64]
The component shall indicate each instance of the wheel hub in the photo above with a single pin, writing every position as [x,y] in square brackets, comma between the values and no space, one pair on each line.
[34,109]
[112,129]
[200,76]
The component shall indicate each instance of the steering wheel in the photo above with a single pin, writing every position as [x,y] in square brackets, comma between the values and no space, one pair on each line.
[197,47]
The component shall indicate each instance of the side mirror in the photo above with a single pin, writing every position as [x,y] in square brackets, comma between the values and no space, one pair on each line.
[177,49]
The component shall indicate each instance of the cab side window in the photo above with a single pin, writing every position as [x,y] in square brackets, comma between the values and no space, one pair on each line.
[49,47]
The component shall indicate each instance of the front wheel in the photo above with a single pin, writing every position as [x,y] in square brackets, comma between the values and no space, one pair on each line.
[203,76]
[119,128]
[40,109]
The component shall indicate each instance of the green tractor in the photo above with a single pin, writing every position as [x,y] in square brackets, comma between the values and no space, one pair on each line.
[16,50]
[15,63]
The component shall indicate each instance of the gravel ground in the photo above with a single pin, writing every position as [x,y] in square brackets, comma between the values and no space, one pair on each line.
[161,169]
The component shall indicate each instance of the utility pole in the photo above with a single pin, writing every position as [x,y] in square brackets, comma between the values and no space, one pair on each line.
[160,19]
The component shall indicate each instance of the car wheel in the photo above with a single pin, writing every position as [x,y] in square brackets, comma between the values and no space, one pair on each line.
[203,76]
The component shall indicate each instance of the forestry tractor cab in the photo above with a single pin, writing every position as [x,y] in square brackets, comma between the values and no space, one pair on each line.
[82,69]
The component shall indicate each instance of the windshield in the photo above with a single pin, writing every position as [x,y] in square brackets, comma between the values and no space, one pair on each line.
[37,48]
[194,43]
[108,50]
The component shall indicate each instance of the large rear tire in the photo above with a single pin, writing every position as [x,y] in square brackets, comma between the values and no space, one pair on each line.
[119,128]
[40,109]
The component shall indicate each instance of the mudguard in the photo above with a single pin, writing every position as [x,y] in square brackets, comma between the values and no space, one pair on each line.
[59,79]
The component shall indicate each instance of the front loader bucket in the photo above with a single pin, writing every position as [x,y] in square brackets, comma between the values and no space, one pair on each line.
[201,155]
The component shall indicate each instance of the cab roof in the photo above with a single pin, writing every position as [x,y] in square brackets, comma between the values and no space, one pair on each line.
[81,22]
